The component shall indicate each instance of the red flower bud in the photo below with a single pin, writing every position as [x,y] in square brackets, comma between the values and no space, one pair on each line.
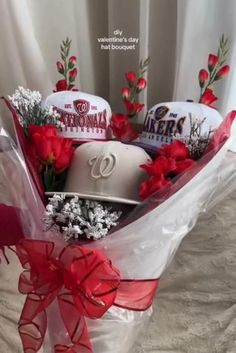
[61,85]
[212,61]
[73,59]
[133,108]
[224,70]
[131,77]
[141,84]
[203,77]
[60,67]
[73,73]
[121,128]
[125,92]
[208,97]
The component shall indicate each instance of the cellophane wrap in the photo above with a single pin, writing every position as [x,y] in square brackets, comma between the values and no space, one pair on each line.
[141,247]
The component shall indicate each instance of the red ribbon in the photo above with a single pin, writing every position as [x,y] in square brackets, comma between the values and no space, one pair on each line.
[84,283]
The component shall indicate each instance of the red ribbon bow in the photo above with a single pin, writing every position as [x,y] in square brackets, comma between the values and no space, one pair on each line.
[83,281]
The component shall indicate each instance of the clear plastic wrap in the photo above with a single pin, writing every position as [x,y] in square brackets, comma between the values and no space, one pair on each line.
[140,248]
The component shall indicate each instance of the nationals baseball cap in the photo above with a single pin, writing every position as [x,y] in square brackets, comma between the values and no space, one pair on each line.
[166,122]
[83,116]
[106,171]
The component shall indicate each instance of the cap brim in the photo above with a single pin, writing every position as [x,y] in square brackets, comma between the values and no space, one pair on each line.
[95,197]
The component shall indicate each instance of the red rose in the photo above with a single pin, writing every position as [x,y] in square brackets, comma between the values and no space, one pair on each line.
[141,84]
[152,185]
[46,130]
[51,149]
[61,85]
[73,73]
[222,72]
[177,150]
[125,92]
[121,128]
[212,61]
[160,166]
[208,97]
[203,77]
[131,78]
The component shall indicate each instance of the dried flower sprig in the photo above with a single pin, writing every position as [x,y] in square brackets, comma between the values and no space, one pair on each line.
[66,68]
[29,108]
[216,70]
[79,219]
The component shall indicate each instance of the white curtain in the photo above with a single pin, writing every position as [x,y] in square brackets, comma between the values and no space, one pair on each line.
[177,34]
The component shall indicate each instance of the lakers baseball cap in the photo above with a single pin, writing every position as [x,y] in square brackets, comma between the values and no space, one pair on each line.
[106,171]
[83,116]
[166,122]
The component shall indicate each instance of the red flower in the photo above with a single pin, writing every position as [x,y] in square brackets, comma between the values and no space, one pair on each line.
[141,84]
[212,61]
[73,73]
[152,185]
[131,78]
[160,166]
[72,59]
[46,130]
[133,108]
[208,97]
[125,92]
[51,149]
[222,72]
[177,150]
[60,67]
[121,128]
[61,85]
[203,77]
[181,166]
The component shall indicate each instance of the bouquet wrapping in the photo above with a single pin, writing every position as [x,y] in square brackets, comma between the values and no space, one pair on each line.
[96,296]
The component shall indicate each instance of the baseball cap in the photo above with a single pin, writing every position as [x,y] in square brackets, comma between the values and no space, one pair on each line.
[106,171]
[83,115]
[165,122]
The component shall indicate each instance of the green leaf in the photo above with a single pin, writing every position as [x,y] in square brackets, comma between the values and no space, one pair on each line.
[63,57]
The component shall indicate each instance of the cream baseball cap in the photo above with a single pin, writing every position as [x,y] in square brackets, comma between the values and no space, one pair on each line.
[106,171]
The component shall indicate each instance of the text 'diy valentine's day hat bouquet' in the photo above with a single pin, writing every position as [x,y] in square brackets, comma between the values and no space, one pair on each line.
[102,209]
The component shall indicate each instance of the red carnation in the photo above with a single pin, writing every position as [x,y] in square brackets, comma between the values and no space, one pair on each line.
[125,92]
[208,97]
[141,84]
[131,78]
[160,166]
[152,185]
[224,70]
[181,166]
[212,61]
[177,150]
[121,128]
[203,77]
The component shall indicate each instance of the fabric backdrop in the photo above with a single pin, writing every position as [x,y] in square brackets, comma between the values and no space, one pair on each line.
[177,34]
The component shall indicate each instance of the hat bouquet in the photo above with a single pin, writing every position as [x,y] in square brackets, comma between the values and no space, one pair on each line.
[103,209]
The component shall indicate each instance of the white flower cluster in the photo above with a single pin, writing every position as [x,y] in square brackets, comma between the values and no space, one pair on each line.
[76,218]
[29,106]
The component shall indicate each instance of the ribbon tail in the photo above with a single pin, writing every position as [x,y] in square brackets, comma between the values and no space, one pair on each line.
[32,324]
[75,325]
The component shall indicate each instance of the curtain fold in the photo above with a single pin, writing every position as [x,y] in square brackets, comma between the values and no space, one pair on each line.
[178,35]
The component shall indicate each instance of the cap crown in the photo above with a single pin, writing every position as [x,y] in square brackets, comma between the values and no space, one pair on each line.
[107,171]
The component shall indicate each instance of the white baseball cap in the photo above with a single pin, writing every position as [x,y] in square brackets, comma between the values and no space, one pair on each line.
[106,171]
[84,116]
[166,122]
